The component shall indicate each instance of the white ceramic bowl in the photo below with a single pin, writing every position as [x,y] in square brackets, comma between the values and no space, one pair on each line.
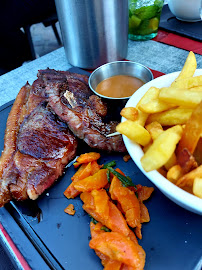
[176,194]
[186,10]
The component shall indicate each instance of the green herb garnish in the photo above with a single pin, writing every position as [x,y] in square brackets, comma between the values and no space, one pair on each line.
[125,180]
[93,220]
[109,164]
[108,176]
[105,229]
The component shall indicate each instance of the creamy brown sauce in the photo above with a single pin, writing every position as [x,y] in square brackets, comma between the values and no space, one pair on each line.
[119,86]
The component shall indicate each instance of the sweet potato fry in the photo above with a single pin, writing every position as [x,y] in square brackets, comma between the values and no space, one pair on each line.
[96,181]
[119,248]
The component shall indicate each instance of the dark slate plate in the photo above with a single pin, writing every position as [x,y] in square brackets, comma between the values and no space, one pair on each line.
[188,29]
[172,239]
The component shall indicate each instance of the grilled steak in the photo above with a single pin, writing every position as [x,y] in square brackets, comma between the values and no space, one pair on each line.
[85,113]
[37,147]
[39,139]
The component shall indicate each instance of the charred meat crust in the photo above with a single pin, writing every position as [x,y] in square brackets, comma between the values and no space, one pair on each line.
[71,99]
[39,139]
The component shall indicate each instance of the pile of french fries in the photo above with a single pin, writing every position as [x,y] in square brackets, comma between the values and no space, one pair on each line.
[167,123]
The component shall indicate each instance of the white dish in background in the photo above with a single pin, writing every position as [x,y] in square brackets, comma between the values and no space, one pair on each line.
[186,10]
[176,194]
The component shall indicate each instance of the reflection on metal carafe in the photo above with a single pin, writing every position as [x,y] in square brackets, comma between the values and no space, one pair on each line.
[94,32]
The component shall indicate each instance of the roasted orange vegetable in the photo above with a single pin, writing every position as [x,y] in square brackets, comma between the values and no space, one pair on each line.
[113,265]
[96,181]
[144,213]
[78,173]
[88,157]
[84,171]
[144,192]
[70,209]
[119,248]
[115,221]
[128,201]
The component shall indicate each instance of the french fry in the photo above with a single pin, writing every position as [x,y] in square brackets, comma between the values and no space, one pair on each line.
[197,88]
[197,187]
[134,131]
[151,94]
[177,116]
[174,173]
[192,131]
[161,149]
[188,82]
[155,106]
[155,129]
[129,113]
[171,162]
[182,97]
[188,68]
[186,181]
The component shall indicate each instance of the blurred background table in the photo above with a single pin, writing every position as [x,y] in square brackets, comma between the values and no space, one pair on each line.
[155,55]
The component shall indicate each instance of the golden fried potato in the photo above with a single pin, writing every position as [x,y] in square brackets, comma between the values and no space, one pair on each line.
[151,94]
[188,68]
[188,82]
[134,132]
[197,88]
[177,116]
[174,173]
[197,187]
[155,106]
[130,113]
[182,97]
[171,162]
[161,149]
[155,129]
[186,181]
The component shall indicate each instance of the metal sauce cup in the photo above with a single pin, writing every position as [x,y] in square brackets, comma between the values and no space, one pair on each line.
[115,105]
[129,68]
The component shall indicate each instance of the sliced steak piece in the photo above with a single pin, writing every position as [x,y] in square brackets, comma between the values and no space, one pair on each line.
[37,148]
[70,97]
